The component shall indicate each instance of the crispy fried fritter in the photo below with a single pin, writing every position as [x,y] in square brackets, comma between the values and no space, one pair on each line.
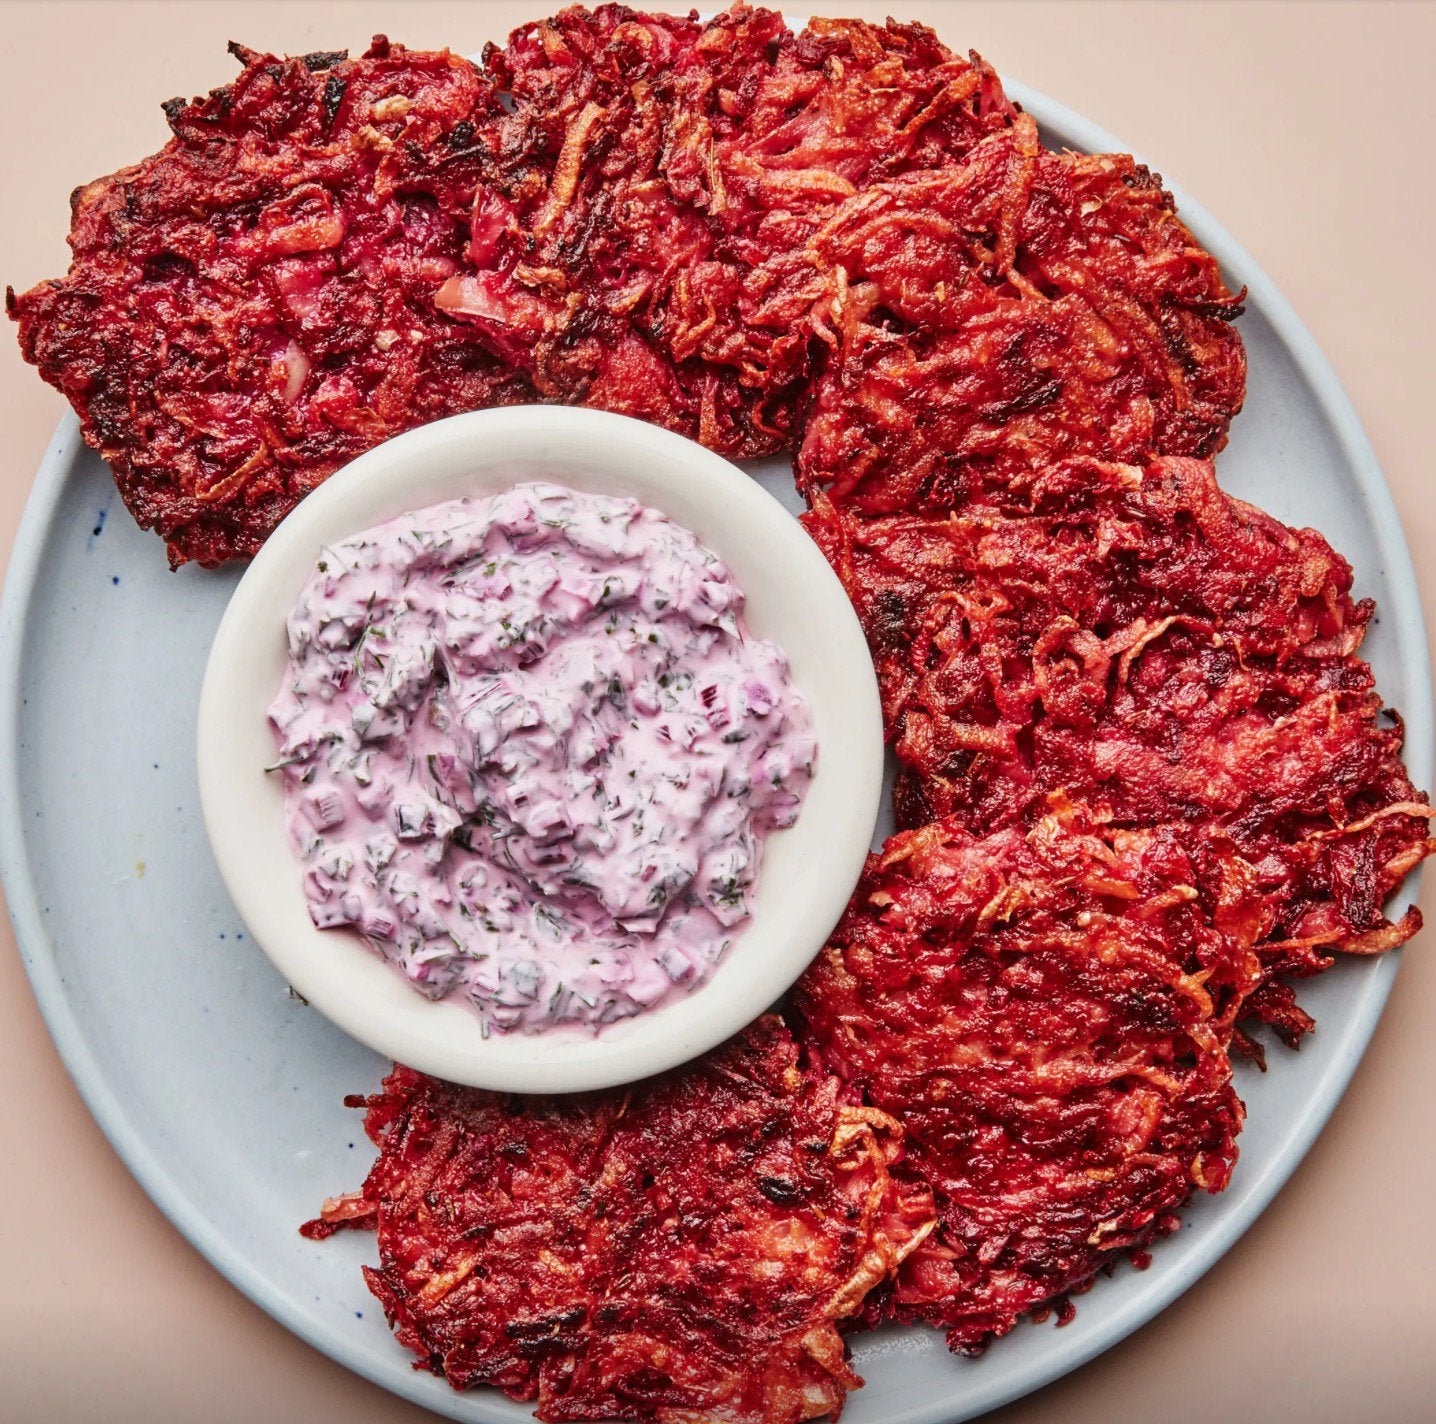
[993,316]
[1047,1012]
[586,231]
[660,180]
[253,306]
[1145,642]
[680,1251]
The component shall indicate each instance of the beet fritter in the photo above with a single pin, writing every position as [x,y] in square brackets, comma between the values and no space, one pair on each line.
[661,179]
[995,315]
[683,1250]
[1047,1012]
[1142,641]
[253,306]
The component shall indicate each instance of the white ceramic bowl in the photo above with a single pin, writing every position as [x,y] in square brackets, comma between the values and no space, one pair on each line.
[808,871]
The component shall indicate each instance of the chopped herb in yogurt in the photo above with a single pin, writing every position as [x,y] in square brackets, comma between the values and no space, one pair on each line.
[531,753]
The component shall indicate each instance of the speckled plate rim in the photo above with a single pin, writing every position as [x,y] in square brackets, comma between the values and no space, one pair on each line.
[1066,1352]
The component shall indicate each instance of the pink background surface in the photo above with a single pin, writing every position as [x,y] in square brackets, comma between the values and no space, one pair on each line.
[1305,129]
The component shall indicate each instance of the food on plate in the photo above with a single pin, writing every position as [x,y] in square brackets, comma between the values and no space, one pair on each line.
[253,306]
[1145,778]
[993,316]
[1141,640]
[1047,1012]
[645,243]
[531,752]
[680,1250]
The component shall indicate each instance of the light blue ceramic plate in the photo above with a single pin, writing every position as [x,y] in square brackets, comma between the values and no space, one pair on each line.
[222,1093]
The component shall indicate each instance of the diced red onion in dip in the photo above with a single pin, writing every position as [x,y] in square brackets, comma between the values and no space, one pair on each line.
[531,753]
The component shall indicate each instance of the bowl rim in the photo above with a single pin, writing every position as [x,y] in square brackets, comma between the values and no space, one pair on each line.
[793,596]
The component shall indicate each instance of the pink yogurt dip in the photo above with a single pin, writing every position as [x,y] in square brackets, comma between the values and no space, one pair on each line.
[531,753]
